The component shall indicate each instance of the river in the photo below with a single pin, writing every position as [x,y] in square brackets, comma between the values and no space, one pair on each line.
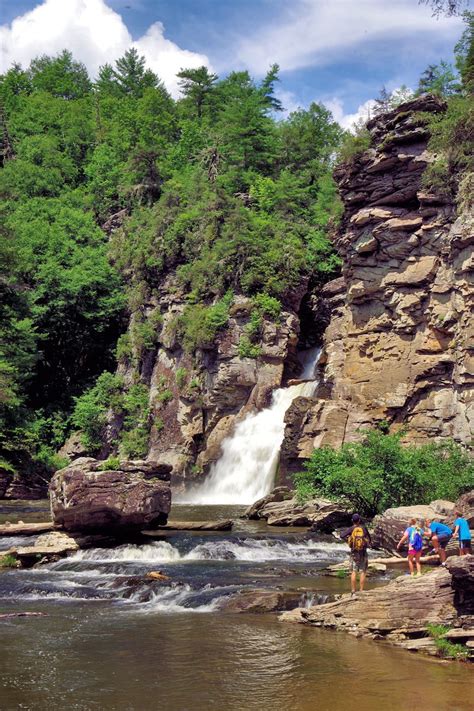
[104,645]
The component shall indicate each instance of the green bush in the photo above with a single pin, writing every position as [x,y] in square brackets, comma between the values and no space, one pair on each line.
[8,561]
[110,464]
[379,473]
[446,649]
[199,324]
[181,377]
[353,144]
[247,349]
[136,423]
[90,411]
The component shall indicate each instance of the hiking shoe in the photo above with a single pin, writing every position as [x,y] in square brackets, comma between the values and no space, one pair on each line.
[418,575]
[353,596]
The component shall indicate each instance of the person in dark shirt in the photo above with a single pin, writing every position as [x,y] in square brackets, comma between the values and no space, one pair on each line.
[358,538]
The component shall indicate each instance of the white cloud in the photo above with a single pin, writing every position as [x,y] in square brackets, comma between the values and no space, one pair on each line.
[364,111]
[314,32]
[95,34]
[289,102]
[348,121]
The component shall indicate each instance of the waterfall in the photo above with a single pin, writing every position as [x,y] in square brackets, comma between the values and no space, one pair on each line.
[246,469]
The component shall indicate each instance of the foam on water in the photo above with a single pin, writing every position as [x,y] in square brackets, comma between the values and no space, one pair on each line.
[248,549]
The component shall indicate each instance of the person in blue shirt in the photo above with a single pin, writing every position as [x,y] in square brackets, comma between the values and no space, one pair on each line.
[440,535]
[462,532]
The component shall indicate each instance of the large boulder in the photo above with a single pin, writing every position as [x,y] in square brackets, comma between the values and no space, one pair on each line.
[389,526]
[256,510]
[279,510]
[137,495]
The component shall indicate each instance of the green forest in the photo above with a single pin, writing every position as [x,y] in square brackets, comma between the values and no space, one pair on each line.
[109,184]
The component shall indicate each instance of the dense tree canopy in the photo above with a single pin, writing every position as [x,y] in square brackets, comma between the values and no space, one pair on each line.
[212,186]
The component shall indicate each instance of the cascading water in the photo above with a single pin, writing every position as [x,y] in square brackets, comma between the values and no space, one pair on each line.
[246,469]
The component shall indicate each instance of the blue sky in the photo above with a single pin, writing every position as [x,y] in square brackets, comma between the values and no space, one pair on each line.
[336,51]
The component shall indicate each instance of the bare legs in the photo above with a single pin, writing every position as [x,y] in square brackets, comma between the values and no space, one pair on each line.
[354,581]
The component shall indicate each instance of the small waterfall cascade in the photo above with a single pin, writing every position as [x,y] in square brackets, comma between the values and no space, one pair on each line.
[246,469]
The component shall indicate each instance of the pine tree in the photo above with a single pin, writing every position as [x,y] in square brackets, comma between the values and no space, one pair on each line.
[197,86]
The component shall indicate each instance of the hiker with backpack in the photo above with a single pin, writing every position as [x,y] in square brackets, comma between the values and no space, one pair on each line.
[414,535]
[358,538]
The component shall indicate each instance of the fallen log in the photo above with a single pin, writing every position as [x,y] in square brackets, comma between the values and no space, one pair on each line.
[25,529]
[222,525]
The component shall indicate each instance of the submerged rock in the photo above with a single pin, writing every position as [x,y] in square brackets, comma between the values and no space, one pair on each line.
[261,601]
[136,496]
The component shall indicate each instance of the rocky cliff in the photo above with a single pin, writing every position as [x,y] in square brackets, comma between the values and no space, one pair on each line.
[399,346]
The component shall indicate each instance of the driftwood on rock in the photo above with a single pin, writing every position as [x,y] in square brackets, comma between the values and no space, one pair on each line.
[221,525]
[25,529]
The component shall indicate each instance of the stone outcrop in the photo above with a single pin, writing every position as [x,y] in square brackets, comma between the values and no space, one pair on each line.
[400,611]
[399,346]
[319,514]
[134,497]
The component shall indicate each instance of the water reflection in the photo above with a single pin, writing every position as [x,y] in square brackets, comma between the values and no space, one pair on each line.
[92,659]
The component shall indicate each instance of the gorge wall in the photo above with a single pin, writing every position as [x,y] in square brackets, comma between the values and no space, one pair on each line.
[399,346]
[398,327]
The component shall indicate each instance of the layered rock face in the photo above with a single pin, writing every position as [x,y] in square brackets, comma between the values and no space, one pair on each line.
[134,497]
[399,346]
[400,611]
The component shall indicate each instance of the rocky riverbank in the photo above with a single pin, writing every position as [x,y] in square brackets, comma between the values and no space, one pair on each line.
[402,611]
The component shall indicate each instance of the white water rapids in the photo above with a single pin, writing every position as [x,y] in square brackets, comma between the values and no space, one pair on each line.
[246,469]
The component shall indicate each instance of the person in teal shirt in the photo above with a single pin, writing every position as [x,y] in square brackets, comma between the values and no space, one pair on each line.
[440,535]
[462,532]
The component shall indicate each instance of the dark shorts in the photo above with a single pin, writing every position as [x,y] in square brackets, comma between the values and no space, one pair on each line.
[465,544]
[358,563]
[443,539]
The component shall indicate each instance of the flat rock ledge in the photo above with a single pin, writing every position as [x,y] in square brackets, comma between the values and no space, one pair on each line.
[134,496]
[400,611]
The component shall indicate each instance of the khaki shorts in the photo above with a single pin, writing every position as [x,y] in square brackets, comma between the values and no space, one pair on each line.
[358,564]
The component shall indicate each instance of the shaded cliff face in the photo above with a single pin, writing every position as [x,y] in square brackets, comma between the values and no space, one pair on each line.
[399,346]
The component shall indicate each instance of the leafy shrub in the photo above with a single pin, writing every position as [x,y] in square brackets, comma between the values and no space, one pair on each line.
[165,396]
[8,561]
[90,411]
[200,324]
[136,423]
[379,473]
[110,464]
[181,376]
[451,141]
[124,350]
[267,305]
[247,349]
[353,144]
[446,649]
